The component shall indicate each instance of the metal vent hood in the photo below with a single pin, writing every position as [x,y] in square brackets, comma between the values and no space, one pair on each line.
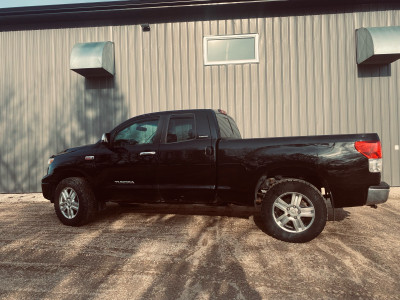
[93,59]
[378,45]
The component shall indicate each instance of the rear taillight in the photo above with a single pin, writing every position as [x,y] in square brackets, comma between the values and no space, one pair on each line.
[370,149]
[373,151]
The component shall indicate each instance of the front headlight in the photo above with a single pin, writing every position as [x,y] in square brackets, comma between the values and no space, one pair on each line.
[50,161]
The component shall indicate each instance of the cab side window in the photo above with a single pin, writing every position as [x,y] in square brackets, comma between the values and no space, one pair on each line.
[141,132]
[181,128]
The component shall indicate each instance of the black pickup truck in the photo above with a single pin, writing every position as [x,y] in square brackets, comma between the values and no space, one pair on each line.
[198,156]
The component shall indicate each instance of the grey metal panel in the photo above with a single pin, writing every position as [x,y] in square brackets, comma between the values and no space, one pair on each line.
[307,82]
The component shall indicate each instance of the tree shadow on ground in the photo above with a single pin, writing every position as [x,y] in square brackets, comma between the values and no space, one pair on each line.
[190,275]
[184,258]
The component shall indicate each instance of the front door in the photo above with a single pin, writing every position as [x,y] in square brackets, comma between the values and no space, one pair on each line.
[129,165]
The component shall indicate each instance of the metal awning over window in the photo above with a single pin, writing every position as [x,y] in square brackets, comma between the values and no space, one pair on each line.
[378,45]
[93,59]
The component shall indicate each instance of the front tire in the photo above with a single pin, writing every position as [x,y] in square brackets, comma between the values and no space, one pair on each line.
[74,202]
[294,211]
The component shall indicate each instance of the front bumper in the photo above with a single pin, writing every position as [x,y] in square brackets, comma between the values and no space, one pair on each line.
[378,194]
[48,188]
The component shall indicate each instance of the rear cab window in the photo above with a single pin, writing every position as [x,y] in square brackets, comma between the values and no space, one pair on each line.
[181,128]
[227,127]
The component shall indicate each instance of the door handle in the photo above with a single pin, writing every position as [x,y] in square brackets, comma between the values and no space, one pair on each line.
[208,150]
[147,153]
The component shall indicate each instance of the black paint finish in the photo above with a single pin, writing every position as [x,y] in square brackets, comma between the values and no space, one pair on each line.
[208,169]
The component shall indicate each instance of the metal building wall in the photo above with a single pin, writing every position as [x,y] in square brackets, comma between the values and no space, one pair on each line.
[307,82]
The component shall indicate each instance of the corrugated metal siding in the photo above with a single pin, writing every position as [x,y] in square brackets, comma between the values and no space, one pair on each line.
[307,82]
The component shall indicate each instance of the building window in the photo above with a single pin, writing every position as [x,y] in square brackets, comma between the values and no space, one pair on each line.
[230,49]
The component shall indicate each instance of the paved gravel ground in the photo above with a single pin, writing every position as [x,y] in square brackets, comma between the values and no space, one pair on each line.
[193,252]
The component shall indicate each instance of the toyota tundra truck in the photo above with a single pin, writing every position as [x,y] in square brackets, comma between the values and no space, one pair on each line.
[199,156]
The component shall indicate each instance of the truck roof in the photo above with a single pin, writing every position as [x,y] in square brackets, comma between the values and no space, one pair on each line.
[176,111]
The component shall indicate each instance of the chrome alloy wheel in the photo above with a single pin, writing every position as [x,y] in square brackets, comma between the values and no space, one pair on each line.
[293,212]
[69,203]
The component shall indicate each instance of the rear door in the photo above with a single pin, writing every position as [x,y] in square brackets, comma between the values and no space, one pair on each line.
[187,159]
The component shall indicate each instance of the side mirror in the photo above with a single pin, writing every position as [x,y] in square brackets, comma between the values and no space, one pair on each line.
[105,138]
[141,128]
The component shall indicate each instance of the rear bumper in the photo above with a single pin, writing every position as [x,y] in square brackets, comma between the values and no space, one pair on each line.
[378,194]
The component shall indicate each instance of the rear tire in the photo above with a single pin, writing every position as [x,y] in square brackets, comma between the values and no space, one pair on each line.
[293,211]
[74,201]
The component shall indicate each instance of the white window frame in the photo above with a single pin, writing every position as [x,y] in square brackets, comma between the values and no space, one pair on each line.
[229,37]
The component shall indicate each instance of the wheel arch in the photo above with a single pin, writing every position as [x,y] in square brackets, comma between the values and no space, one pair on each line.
[60,175]
[302,173]
[298,172]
